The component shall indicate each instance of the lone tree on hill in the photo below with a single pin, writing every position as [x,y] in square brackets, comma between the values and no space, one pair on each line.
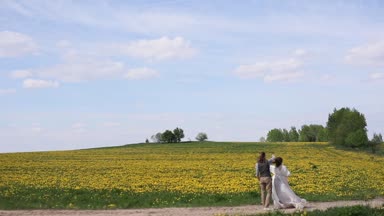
[201,137]
[347,127]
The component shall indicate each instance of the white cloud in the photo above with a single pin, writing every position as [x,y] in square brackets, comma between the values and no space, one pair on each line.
[14,44]
[35,83]
[7,91]
[20,74]
[83,70]
[75,67]
[369,54]
[85,66]
[158,49]
[377,76]
[141,73]
[282,70]
[291,76]
[252,71]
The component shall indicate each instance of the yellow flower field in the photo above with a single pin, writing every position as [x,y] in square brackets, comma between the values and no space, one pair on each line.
[194,168]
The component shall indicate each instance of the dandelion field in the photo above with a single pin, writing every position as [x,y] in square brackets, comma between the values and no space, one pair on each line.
[181,174]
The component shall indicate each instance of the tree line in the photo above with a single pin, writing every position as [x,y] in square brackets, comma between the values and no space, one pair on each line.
[307,133]
[345,127]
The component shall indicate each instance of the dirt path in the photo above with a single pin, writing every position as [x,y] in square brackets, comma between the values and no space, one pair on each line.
[203,211]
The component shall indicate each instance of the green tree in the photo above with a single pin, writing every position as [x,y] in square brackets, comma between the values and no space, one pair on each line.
[377,138]
[201,137]
[313,133]
[179,134]
[322,135]
[286,135]
[357,138]
[275,135]
[168,137]
[293,135]
[306,134]
[375,141]
[156,138]
[347,127]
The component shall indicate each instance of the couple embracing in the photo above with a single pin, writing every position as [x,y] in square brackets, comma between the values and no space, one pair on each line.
[277,186]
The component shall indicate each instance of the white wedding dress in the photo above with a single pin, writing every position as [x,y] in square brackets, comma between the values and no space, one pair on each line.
[282,194]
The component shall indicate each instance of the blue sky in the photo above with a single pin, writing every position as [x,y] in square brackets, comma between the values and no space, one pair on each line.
[80,74]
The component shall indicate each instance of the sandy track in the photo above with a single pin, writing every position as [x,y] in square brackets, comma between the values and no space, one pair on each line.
[201,211]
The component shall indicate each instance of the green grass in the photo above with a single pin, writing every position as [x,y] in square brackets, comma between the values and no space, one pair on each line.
[49,198]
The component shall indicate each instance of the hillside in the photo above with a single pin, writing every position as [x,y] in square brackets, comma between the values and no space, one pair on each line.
[184,174]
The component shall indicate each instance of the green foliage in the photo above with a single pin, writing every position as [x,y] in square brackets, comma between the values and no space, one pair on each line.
[308,133]
[285,135]
[322,135]
[201,137]
[347,127]
[377,138]
[275,135]
[357,138]
[168,137]
[313,133]
[293,135]
[179,134]
[375,142]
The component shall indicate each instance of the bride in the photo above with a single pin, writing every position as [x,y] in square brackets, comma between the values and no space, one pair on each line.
[282,194]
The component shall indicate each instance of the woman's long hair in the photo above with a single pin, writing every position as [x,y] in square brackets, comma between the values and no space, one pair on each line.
[261,158]
[278,161]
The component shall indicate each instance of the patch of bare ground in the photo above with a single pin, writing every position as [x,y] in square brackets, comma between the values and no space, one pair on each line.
[195,211]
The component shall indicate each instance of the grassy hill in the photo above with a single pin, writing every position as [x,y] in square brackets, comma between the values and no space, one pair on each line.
[183,174]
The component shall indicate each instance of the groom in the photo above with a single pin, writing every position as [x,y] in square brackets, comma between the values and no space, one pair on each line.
[264,175]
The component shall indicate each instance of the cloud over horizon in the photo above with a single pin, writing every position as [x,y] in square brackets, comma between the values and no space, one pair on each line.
[289,69]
